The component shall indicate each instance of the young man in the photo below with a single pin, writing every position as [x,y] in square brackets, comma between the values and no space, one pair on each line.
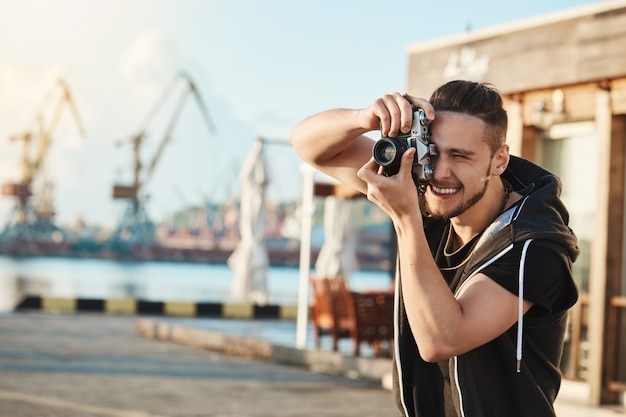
[484,276]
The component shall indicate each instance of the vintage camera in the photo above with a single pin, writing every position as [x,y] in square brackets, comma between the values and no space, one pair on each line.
[388,151]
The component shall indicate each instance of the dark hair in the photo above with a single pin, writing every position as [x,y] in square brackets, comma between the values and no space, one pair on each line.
[481,100]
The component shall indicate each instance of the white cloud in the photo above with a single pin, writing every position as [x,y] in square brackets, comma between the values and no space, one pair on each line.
[149,62]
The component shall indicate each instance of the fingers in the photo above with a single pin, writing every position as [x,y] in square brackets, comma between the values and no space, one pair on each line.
[371,171]
[423,104]
[395,114]
[406,164]
[396,194]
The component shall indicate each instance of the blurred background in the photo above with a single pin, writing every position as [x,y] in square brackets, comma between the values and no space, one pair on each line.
[260,67]
[126,123]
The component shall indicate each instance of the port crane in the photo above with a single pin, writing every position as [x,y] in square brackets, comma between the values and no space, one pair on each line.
[136,228]
[29,221]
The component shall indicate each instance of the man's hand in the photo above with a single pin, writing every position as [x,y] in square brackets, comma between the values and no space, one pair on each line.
[396,195]
[393,113]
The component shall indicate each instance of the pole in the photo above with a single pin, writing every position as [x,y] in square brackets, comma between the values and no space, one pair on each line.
[308,208]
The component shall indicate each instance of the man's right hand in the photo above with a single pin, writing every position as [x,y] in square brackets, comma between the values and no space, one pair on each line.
[393,113]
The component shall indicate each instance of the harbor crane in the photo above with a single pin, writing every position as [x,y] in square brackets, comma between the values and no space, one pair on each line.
[136,228]
[29,221]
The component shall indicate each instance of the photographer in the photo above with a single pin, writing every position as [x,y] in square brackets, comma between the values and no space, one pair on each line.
[484,276]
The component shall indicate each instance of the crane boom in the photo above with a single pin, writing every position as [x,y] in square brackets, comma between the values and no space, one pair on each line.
[166,137]
[135,226]
[191,89]
[46,132]
[42,130]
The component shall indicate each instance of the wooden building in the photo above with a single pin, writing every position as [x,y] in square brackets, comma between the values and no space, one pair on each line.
[563,77]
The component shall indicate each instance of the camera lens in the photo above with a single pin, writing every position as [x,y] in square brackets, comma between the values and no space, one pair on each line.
[387,153]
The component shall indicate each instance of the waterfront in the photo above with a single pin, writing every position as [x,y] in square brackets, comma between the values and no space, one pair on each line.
[153,281]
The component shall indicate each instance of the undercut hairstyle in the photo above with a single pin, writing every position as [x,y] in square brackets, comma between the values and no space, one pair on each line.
[476,99]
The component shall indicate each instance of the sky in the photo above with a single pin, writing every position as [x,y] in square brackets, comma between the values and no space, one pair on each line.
[260,66]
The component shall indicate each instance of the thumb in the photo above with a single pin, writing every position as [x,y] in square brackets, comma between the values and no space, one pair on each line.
[406,163]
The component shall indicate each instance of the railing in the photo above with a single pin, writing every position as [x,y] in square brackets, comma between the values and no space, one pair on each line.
[577,366]
[578,343]
[616,306]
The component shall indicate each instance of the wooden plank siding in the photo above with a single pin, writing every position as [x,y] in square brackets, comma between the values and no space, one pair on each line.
[532,56]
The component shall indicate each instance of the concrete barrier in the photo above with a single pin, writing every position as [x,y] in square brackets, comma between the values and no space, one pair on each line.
[323,361]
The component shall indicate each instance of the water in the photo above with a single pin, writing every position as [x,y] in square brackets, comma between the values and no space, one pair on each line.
[151,281]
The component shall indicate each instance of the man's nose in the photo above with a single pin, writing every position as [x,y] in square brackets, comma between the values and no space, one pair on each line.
[442,168]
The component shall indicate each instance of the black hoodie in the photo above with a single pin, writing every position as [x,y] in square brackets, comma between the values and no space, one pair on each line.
[516,374]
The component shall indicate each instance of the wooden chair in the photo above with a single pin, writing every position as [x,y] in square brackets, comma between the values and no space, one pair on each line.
[373,321]
[329,312]
[362,317]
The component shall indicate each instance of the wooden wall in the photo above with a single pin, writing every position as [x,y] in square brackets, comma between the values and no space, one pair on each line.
[562,49]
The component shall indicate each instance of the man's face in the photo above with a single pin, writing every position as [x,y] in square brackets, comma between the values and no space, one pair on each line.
[462,167]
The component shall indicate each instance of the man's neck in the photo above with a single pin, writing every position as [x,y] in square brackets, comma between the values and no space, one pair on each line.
[478,217]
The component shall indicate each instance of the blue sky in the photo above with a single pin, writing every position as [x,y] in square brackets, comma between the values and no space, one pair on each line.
[261,66]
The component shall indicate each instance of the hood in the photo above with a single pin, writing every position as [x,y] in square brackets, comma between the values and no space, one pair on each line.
[540,215]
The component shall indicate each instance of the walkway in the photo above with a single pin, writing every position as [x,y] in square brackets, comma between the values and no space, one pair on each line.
[97,366]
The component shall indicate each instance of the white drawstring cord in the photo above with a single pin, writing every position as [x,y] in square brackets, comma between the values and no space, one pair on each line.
[520,306]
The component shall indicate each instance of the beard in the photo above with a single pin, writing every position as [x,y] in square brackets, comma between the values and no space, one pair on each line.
[460,208]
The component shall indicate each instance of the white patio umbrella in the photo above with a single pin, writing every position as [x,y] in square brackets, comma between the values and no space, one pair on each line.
[337,256]
[249,260]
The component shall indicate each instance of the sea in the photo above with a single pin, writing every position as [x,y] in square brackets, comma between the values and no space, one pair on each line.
[150,281]
[169,281]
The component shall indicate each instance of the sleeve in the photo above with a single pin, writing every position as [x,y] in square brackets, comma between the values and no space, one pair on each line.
[548,281]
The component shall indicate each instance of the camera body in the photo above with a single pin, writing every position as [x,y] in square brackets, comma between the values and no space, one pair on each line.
[388,151]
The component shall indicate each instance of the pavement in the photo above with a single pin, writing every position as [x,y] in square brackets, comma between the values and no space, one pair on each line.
[99,365]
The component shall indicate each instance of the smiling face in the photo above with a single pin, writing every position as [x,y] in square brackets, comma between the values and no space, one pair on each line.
[463,166]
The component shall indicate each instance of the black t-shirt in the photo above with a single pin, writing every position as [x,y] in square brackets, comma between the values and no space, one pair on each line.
[542,265]
[543,282]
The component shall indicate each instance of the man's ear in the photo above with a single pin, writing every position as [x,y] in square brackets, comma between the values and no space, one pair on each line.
[500,160]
